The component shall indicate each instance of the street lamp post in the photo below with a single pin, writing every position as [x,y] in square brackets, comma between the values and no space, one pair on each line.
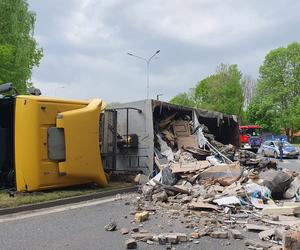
[148,66]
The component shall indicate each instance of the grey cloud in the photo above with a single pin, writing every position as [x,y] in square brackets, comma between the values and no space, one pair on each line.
[86,41]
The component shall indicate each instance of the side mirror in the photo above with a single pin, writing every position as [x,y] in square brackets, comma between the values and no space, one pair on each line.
[34,91]
[6,87]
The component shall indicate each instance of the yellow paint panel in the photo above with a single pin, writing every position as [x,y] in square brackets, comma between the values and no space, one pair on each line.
[81,128]
[33,116]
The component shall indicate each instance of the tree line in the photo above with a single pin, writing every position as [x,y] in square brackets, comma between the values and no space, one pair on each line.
[272,101]
[19,51]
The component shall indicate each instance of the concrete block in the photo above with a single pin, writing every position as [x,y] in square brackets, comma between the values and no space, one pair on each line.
[219,234]
[143,216]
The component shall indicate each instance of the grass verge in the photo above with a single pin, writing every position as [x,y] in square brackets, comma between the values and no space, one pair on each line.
[7,201]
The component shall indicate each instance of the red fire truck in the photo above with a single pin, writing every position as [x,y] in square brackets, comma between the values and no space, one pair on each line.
[250,137]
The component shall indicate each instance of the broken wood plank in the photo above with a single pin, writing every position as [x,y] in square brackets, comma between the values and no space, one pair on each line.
[165,122]
[142,236]
[288,218]
[224,174]
[187,141]
[181,128]
[199,205]
[189,167]
[193,178]
[197,151]
[254,227]
[276,210]
[169,136]
[281,223]
[174,189]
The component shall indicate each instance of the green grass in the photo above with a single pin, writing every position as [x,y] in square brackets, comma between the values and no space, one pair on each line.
[35,197]
[296,144]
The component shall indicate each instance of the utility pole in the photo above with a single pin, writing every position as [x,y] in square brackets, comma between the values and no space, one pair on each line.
[148,66]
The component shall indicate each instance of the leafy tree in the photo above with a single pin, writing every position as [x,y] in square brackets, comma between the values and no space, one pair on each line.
[184,99]
[19,52]
[221,91]
[276,101]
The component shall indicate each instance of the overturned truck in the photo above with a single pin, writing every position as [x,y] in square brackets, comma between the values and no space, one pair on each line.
[49,143]
[131,133]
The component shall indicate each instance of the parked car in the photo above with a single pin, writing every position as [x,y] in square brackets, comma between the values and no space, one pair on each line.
[271,149]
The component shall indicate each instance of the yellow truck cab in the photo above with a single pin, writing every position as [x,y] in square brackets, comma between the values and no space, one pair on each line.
[49,143]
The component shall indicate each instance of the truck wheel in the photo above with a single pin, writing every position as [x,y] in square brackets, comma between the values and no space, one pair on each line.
[275,155]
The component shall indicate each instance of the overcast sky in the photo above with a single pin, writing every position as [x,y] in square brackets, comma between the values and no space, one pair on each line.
[86,42]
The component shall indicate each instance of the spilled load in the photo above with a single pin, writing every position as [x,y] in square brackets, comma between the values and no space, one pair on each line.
[186,146]
[220,190]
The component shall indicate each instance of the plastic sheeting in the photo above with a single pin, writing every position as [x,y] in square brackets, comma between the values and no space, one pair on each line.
[165,149]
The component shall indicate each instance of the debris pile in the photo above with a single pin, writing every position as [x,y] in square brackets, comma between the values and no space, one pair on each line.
[216,191]
[221,191]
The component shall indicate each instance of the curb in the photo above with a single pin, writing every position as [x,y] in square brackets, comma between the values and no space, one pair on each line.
[87,197]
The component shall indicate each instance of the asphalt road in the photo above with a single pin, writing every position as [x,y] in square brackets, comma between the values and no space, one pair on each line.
[291,164]
[81,226]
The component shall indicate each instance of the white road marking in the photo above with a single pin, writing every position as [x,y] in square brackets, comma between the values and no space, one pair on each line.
[30,214]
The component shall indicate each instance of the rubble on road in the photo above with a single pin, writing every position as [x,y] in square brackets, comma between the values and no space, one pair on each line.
[139,217]
[131,244]
[124,230]
[112,226]
[217,191]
